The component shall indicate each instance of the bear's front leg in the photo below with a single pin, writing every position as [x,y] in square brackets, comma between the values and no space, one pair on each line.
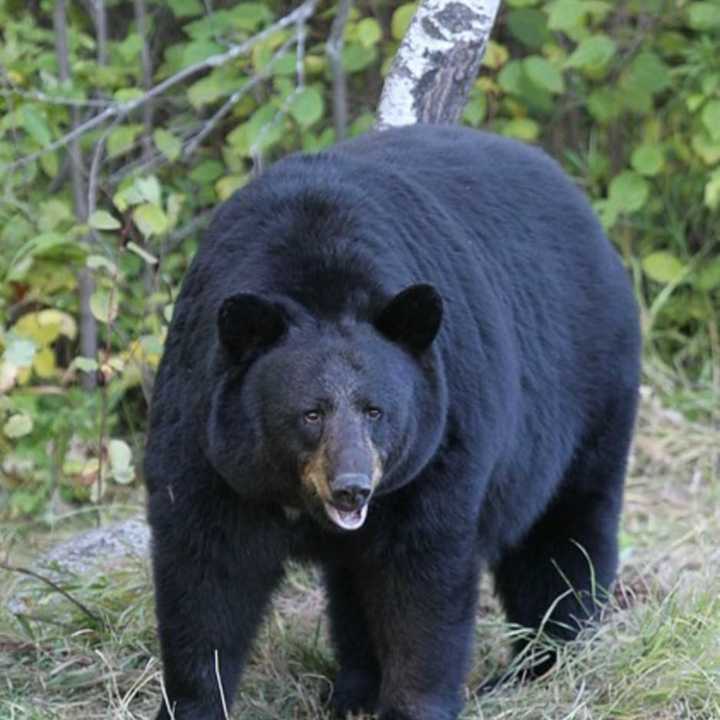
[215,568]
[422,610]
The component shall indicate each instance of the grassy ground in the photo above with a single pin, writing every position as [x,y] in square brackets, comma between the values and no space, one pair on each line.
[656,656]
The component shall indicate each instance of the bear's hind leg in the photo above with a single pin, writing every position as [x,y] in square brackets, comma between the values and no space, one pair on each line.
[357,683]
[559,575]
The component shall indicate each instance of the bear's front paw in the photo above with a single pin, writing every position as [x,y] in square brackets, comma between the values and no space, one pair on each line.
[354,691]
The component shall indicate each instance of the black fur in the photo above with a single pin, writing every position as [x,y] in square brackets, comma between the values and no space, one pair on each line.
[503,440]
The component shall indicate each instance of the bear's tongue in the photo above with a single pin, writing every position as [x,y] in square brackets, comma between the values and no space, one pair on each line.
[346,519]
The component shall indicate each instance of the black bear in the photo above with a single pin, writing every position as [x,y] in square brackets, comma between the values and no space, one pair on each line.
[406,358]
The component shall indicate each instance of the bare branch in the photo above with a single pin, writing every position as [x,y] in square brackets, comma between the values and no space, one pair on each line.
[88,326]
[334,48]
[122,109]
[101,33]
[437,62]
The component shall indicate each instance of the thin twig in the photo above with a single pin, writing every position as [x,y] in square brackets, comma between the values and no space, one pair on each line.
[31,573]
[333,49]
[123,109]
[53,99]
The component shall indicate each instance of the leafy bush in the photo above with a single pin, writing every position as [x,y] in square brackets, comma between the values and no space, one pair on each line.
[626,94]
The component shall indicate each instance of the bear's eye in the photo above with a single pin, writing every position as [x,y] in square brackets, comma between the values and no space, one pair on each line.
[374,413]
[312,417]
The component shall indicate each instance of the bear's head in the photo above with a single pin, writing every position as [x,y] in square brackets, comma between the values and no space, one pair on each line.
[321,415]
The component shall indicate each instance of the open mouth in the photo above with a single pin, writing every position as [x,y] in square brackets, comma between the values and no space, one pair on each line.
[346,519]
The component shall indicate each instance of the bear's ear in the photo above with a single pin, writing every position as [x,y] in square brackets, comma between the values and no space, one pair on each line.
[247,323]
[412,317]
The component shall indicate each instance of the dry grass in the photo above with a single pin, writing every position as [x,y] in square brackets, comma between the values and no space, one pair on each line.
[656,656]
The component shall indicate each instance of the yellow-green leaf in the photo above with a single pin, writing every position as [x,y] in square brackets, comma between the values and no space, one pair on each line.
[401,20]
[307,106]
[663,267]
[368,32]
[648,159]
[711,118]
[103,220]
[167,144]
[544,74]
[628,191]
[104,305]
[150,220]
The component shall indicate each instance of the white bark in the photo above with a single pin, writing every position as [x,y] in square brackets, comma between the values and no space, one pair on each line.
[437,62]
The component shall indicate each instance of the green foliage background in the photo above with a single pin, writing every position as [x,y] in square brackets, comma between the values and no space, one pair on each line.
[626,94]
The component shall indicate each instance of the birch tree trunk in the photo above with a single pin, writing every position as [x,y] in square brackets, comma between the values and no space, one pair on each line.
[437,62]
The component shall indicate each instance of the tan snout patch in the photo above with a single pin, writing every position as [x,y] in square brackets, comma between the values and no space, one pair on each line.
[314,475]
[377,471]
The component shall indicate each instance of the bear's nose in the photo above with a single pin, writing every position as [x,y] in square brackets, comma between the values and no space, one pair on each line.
[350,491]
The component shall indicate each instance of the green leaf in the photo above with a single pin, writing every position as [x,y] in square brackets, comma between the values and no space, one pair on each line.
[249,15]
[712,191]
[704,15]
[167,144]
[356,57]
[628,191]
[604,104]
[710,117]
[185,8]
[593,54]
[544,74]
[307,107]
[207,90]
[104,305]
[663,267]
[149,189]
[401,20]
[522,129]
[102,220]
[368,32]
[54,212]
[196,52]
[529,26]
[150,220]
[708,278]
[648,159]
[208,171]
[708,150]
[18,426]
[476,109]
[35,124]
[566,15]
[647,74]
[510,77]
[122,139]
